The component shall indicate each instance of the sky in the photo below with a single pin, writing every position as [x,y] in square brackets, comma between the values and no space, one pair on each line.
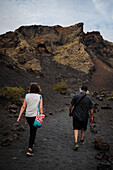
[97,15]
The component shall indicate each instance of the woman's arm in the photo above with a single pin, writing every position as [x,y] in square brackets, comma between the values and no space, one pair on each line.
[41,105]
[22,110]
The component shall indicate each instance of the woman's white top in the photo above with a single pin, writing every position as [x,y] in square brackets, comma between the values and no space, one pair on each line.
[32,101]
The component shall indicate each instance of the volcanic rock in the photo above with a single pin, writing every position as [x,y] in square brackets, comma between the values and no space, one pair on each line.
[107,106]
[104,165]
[101,145]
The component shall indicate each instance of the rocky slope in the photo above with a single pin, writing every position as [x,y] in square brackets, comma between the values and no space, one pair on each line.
[27,45]
[96,46]
[51,55]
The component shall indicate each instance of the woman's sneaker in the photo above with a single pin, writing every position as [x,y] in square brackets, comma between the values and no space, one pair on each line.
[30,153]
[76,146]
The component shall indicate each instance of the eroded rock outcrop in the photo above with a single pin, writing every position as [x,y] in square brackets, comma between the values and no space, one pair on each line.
[28,44]
[40,49]
[96,46]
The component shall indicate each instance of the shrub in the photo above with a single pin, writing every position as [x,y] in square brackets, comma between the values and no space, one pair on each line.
[62,88]
[103,89]
[13,93]
[110,97]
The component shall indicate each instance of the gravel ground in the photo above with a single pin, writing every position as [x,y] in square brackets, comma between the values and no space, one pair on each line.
[54,144]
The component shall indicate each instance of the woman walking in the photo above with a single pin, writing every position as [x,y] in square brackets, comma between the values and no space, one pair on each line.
[31,102]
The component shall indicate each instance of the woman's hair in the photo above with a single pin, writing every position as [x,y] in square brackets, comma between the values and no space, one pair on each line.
[34,88]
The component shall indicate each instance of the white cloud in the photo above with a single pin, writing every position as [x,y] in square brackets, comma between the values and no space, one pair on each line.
[105,8]
[96,14]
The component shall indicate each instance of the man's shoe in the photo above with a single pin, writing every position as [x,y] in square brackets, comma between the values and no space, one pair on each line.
[82,142]
[76,146]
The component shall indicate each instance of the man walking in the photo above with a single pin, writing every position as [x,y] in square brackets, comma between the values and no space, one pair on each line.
[82,105]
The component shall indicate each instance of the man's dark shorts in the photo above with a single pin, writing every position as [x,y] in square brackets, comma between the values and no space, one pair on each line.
[79,125]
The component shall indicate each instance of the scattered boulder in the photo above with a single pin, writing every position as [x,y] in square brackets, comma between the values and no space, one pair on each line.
[5,133]
[19,102]
[6,142]
[13,107]
[93,129]
[104,155]
[15,136]
[104,165]
[100,98]
[111,159]
[61,109]
[96,105]
[107,106]
[13,111]
[107,156]
[1,106]
[103,94]
[97,96]
[18,128]
[99,155]
[50,113]
[101,145]
[94,94]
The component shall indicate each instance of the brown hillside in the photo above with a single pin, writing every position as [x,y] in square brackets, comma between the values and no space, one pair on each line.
[65,45]
[54,54]
[101,52]
[102,77]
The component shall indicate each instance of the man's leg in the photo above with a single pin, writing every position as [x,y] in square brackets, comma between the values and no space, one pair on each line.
[82,134]
[84,128]
[76,135]
[76,146]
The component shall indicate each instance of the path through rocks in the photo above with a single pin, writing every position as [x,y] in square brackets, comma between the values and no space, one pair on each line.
[53,148]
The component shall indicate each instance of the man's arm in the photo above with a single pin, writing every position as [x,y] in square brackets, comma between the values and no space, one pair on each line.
[70,108]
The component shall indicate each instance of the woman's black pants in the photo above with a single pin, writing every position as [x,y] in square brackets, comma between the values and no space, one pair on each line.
[33,130]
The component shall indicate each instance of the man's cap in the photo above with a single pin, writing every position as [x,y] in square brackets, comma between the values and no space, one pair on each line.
[84,88]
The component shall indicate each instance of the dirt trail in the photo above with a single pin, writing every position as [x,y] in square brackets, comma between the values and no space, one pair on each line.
[54,146]
[53,149]
[102,77]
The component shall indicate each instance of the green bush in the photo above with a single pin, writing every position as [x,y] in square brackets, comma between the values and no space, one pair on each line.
[110,97]
[62,88]
[13,93]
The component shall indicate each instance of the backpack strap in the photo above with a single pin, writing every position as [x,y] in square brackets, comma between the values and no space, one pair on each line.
[80,100]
